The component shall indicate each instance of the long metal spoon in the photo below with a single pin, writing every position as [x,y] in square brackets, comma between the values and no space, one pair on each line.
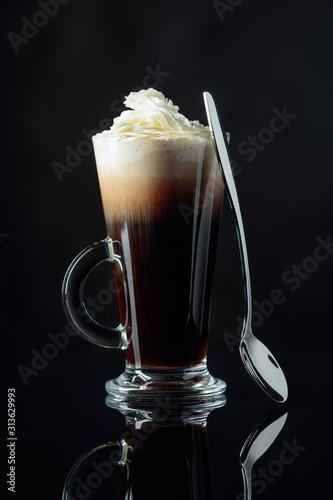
[258,442]
[258,360]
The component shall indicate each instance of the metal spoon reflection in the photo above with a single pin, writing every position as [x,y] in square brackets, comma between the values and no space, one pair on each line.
[258,360]
[258,442]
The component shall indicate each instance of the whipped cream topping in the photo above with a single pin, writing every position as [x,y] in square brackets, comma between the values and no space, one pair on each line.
[151,112]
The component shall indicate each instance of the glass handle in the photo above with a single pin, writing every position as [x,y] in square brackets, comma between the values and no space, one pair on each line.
[73,302]
[118,456]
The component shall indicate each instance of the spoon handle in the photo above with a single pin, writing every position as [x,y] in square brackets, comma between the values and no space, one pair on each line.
[223,154]
[247,484]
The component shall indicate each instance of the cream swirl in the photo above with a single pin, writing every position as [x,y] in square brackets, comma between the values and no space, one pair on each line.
[151,113]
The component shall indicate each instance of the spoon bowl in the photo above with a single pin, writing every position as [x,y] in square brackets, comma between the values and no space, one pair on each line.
[263,367]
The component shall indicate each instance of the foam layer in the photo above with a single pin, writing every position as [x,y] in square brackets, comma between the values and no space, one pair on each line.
[148,153]
[153,126]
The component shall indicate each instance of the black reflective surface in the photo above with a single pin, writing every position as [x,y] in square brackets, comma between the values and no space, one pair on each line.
[65,415]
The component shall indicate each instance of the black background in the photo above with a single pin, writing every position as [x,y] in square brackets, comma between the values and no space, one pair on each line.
[69,76]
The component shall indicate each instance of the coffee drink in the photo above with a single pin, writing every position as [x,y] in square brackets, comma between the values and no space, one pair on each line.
[162,195]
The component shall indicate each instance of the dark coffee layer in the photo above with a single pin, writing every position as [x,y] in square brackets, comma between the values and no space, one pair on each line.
[169,263]
[171,283]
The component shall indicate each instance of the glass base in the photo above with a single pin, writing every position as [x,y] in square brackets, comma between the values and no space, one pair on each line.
[184,387]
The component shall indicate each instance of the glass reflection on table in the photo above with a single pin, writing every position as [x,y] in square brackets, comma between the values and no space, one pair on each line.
[163,454]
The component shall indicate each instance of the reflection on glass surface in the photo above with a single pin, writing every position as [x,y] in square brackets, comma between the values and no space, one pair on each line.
[162,454]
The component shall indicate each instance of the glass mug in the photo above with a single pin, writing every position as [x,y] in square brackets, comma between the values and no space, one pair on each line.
[162,197]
